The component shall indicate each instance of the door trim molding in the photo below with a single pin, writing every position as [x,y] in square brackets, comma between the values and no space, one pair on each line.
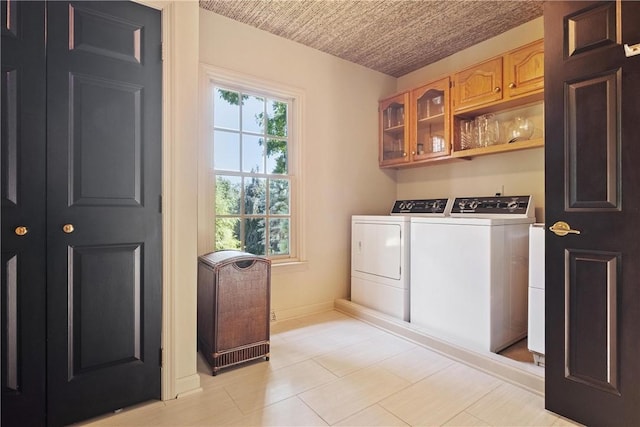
[175,95]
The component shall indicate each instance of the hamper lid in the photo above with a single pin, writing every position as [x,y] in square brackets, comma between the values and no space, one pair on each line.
[229,256]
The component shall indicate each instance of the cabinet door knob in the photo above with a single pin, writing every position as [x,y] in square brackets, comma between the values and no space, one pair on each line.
[496,89]
[68,228]
[404,154]
[413,153]
[21,230]
[512,85]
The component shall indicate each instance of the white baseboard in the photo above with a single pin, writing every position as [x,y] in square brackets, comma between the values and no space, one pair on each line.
[187,385]
[518,373]
[303,311]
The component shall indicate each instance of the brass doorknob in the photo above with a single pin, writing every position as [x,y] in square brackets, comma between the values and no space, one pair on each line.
[21,230]
[512,85]
[68,228]
[497,89]
[561,228]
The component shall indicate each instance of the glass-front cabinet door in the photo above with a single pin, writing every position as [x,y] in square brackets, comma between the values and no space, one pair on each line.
[430,121]
[394,130]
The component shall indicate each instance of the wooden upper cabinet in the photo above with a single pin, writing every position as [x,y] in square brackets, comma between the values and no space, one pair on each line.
[524,70]
[429,114]
[394,130]
[480,84]
[516,74]
[435,122]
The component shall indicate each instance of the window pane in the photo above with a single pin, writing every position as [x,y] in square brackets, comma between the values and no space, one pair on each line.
[276,118]
[252,154]
[226,151]
[228,233]
[254,231]
[253,114]
[279,236]
[228,195]
[279,196]
[255,196]
[277,156]
[226,111]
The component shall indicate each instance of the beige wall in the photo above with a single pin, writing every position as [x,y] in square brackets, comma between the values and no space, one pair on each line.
[339,161]
[514,173]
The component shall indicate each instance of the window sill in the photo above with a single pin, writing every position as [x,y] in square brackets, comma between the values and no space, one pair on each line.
[289,266]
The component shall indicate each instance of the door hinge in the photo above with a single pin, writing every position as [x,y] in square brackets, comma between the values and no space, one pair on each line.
[160,203]
[160,352]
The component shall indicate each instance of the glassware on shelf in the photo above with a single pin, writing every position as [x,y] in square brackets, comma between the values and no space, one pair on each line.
[400,116]
[437,105]
[390,116]
[423,108]
[519,129]
[467,134]
[488,129]
[437,144]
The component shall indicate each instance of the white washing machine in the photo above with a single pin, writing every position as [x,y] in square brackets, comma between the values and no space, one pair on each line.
[380,255]
[469,272]
[535,341]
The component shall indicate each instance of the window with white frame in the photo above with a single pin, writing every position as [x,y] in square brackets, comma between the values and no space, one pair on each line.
[253,178]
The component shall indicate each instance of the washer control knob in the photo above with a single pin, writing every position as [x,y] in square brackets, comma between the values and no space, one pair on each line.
[474,204]
[512,205]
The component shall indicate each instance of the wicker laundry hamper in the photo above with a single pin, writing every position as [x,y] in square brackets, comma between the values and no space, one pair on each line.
[234,293]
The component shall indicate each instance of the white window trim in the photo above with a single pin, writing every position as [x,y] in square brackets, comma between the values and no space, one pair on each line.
[206,201]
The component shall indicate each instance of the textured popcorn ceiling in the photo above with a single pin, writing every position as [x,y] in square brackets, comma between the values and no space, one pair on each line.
[394,37]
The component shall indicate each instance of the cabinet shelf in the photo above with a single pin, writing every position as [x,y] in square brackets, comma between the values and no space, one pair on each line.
[500,148]
[394,129]
[436,118]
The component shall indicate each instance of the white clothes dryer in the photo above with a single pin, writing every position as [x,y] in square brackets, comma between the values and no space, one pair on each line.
[380,255]
[469,272]
[380,263]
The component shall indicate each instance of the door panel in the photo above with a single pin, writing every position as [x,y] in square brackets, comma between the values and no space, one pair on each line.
[103,178]
[592,93]
[22,268]
[105,142]
[9,136]
[593,142]
[96,344]
[100,33]
[591,322]
[591,27]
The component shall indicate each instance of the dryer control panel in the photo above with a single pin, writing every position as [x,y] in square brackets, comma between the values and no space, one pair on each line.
[496,206]
[422,207]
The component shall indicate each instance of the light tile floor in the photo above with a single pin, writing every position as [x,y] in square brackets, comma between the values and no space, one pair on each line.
[331,369]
